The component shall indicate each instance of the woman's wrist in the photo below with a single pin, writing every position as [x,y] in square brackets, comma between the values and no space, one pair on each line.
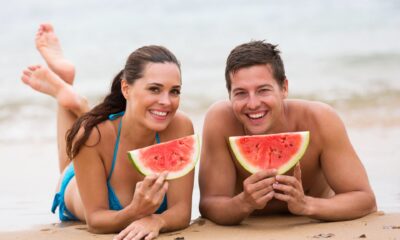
[133,212]
[160,221]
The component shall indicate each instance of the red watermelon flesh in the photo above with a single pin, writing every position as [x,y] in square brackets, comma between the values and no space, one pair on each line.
[280,151]
[177,157]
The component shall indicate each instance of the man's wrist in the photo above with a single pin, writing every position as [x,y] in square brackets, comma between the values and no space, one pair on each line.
[309,206]
[242,204]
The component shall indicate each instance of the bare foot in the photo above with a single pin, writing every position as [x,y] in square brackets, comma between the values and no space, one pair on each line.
[49,47]
[45,81]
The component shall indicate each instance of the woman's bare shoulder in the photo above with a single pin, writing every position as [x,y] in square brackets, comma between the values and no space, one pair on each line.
[100,134]
[180,126]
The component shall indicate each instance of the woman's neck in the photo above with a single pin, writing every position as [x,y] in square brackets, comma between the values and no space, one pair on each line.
[136,134]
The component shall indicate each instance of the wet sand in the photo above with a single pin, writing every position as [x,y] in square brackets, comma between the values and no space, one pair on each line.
[375,226]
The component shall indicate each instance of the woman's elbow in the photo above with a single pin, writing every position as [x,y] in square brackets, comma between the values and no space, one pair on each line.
[95,226]
[185,220]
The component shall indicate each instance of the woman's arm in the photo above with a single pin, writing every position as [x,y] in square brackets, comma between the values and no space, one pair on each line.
[91,177]
[179,196]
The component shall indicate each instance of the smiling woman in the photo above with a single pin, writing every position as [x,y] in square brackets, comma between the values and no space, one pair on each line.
[158,92]
[99,186]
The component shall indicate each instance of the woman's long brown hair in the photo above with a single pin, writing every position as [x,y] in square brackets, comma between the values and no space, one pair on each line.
[115,102]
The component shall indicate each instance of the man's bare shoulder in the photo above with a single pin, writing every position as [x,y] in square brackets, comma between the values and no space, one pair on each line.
[318,117]
[310,109]
[220,117]
[221,109]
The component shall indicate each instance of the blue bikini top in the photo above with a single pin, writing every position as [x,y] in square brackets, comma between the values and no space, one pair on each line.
[112,197]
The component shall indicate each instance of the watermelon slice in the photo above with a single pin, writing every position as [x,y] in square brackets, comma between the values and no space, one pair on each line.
[280,151]
[177,157]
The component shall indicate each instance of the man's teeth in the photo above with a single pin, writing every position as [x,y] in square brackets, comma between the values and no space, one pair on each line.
[162,114]
[256,115]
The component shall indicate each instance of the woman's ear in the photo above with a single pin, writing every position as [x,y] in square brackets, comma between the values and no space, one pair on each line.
[124,88]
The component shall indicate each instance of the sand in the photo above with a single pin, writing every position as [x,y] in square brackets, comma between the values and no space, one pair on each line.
[374,226]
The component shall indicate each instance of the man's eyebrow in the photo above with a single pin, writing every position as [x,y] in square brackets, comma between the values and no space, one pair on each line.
[261,86]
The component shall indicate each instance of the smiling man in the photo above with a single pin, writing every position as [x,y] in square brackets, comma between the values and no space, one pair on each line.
[329,184]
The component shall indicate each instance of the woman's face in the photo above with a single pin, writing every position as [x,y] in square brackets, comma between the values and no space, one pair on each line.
[153,99]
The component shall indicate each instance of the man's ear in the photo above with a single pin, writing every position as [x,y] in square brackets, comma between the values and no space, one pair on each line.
[285,88]
[124,88]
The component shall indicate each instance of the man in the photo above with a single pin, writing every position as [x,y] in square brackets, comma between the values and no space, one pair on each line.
[330,183]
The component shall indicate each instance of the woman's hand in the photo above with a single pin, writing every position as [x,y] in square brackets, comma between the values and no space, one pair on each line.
[147,228]
[149,194]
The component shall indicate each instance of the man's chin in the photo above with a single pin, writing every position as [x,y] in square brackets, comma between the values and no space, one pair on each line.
[255,130]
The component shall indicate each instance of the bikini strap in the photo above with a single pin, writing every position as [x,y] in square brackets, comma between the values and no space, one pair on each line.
[112,117]
[157,138]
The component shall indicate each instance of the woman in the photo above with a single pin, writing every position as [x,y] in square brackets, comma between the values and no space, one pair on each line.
[100,186]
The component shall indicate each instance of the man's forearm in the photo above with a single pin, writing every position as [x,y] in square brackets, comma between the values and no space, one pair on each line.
[343,206]
[225,210]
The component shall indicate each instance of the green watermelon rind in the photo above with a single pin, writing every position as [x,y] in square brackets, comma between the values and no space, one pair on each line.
[134,159]
[305,136]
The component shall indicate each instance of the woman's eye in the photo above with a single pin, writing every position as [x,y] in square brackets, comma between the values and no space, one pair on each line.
[154,89]
[176,91]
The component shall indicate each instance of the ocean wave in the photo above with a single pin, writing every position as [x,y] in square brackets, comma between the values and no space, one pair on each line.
[27,119]
[385,59]
[195,102]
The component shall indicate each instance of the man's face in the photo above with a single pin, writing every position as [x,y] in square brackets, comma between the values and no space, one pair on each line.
[257,98]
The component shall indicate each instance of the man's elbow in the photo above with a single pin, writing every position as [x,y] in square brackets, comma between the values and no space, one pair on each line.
[372,206]
[369,204]
[216,216]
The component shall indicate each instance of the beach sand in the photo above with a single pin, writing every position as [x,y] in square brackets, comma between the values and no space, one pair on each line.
[375,226]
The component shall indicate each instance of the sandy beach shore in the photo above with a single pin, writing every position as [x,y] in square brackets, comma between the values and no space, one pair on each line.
[375,226]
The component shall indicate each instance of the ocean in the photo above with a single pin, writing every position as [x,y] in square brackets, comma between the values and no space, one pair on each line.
[335,51]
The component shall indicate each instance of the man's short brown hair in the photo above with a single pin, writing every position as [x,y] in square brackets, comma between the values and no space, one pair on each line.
[255,53]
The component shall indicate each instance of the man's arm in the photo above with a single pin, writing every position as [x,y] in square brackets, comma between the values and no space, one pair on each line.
[217,177]
[344,173]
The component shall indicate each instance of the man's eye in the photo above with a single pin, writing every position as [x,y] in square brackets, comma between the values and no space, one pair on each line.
[264,90]
[240,93]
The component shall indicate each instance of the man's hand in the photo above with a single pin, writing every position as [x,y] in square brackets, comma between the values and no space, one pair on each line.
[257,189]
[291,189]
